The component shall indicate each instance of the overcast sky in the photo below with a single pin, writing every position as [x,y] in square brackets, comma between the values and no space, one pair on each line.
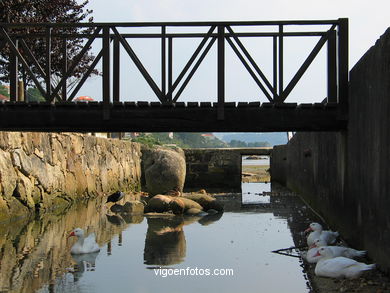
[368,20]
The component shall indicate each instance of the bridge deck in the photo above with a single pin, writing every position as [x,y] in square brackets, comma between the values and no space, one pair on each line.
[158,117]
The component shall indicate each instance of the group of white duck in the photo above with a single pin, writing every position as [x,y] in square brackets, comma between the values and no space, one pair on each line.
[333,261]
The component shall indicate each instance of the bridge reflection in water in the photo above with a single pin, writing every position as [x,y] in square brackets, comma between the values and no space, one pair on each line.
[35,255]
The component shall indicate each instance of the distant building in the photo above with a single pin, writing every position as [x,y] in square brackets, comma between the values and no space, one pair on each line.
[208,135]
[170,135]
[84,99]
[3,98]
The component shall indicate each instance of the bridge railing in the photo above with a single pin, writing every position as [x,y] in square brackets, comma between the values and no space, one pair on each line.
[13,41]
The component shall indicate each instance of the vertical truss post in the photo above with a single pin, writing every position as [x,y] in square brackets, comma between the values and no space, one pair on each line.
[281,60]
[221,73]
[106,72]
[48,63]
[170,66]
[64,68]
[116,69]
[163,63]
[343,66]
[275,66]
[332,68]
[14,74]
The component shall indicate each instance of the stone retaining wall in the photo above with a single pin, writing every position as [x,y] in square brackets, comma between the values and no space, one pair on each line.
[41,171]
[217,168]
[345,176]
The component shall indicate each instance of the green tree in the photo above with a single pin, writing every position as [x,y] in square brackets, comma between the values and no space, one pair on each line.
[237,143]
[34,95]
[45,11]
[4,91]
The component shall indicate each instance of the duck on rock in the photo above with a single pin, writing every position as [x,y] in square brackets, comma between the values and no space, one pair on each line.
[83,244]
[116,196]
[339,267]
[329,237]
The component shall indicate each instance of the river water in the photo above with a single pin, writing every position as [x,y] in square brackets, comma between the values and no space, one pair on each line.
[236,245]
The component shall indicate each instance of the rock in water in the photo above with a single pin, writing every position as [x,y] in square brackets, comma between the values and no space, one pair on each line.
[164,169]
[206,201]
[158,204]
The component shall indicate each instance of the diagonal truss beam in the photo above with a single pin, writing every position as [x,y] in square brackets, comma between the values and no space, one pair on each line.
[75,62]
[252,61]
[139,65]
[86,75]
[317,48]
[251,72]
[36,63]
[24,62]
[196,66]
[192,59]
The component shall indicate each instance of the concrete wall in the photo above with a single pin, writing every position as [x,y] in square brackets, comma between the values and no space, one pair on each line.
[42,171]
[345,176]
[217,168]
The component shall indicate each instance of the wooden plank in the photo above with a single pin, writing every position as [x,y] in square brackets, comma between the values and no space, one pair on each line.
[242,104]
[205,104]
[143,104]
[343,71]
[254,104]
[48,63]
[332,68]
[286,106]
[116,71]
[22,117]
[155,104]
[267,105]
[14,74]
[180,105]
[130,104]
[305,106]
[221,73]
[192,104]
[106,73]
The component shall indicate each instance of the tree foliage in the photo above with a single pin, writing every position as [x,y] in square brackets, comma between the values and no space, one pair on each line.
[4,91]
[45,11]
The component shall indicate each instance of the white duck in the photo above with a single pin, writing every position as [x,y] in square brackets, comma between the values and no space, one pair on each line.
[339,267]
[317,233]
[336,250]
[83,245]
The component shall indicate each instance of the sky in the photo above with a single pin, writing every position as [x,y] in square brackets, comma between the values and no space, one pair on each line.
[367,21]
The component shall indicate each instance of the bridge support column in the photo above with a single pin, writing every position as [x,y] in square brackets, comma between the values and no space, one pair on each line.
[221,73]
[106,73]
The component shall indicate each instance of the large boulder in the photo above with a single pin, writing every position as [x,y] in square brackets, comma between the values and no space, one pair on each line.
[164,169]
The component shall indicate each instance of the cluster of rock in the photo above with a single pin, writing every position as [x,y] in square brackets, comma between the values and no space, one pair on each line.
[190,204]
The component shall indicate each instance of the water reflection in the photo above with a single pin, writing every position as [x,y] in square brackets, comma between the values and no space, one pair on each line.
[34,253]
[83,262]
[165,243]
[35,256]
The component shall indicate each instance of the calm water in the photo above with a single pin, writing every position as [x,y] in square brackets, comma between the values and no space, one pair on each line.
[35,257]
